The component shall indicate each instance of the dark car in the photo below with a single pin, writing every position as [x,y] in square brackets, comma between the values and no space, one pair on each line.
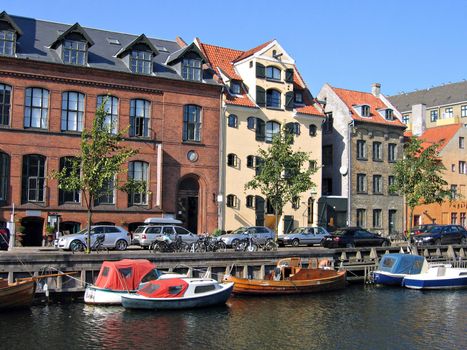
[421,229]
[442,234]
[4,238]
[354,237]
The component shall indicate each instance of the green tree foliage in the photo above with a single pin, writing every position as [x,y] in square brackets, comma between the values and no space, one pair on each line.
[283,175]
[100,161]
[418,176]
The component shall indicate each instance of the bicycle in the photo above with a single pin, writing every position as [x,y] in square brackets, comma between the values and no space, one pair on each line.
[246,245]
[209,244]
[269,245]
[164,244]
[97,246]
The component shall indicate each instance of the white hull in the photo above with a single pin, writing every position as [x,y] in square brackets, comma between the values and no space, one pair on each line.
[97,296]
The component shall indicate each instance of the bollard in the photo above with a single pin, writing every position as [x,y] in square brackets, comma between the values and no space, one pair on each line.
[438,252]
[190,272]
[451,254]
[262,272]
[358,256]
[461,253]
[401,251]
[245,271]
[425,253]
[373,254]
[343,256]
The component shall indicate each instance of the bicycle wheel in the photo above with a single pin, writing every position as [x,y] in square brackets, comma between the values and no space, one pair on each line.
[200,247]
[251,248]
[183,247]
[221,246]
[77,246]
[159,247]
[271,245]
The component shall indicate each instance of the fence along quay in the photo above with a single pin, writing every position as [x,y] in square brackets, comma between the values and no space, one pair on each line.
[359,263]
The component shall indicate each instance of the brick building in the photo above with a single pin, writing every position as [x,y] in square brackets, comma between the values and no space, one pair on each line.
[52,78]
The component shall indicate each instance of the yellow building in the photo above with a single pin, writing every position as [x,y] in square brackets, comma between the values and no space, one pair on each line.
[263,90]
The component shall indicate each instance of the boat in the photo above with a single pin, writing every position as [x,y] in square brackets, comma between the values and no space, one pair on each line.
[18,294]
[117,278]
[178,293]
[289,277]
[442,276]
[394,267]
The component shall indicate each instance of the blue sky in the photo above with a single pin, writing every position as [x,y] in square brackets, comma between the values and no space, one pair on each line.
[404,45]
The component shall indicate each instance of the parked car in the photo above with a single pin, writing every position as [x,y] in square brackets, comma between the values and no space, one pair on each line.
[4,238]
[304,236]
[260,234]
[352,237]
[442,234]
[146,234]
[421,229]
[116,237]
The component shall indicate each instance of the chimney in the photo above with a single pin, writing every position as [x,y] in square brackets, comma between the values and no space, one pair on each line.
[418,119]
[376,89]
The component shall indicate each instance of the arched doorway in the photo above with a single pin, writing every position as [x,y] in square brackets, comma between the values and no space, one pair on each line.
[187,203]
[33,228]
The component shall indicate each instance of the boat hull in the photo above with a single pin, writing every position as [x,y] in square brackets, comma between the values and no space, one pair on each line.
[99,296]
[440,283]
[388,279]
[335,281]
[17,295]
[212,299]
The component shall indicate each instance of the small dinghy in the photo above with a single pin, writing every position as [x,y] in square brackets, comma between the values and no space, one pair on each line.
[178,293]
[442,276]
[16,295]
[394,267]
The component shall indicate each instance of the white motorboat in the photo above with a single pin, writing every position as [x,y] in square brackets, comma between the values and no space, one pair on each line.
[442,276]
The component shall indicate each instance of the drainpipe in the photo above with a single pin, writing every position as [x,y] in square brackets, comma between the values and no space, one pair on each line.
[349,173]
[222,144]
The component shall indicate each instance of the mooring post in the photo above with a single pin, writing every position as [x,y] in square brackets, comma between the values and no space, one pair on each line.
[83,278]
[262,273]
[245,271]
[450,253]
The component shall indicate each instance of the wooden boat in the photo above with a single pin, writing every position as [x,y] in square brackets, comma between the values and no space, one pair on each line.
[18,294]
[290,278]
[178,293]
[442,276]
[394,267]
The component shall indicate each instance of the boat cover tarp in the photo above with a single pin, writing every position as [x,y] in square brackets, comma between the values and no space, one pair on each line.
[401,263]
[125,274]
[170,288]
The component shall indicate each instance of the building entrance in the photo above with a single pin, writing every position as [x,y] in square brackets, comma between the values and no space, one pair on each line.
[188,202]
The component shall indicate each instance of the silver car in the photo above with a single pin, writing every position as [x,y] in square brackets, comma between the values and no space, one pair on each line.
[116,237]
[304,236]
[260,234]
[146,234]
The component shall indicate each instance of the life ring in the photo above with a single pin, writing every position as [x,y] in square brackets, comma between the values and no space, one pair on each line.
[324,263]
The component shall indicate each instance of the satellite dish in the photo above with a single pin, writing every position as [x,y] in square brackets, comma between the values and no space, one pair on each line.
[343,170]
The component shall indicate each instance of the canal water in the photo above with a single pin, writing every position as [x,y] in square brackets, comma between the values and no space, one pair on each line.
[359,317]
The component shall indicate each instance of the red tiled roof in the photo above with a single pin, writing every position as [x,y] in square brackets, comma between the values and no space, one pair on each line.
[252,51]
[352,98]
[221,58]
[311,110]
[239,100]
[440,134]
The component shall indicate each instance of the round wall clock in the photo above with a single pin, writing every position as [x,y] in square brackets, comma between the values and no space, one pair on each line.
[192,156]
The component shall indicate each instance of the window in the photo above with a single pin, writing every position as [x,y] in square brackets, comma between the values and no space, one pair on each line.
[68,196]
[191,69]
[361,217]
[250,162]
[272,129]
[260,131]
[462,221]
[453,191]
[312,129]
[392,152]
[4,176]
[72,111]
[328,123]
[453,218]
[269,208]
[447,113]
[464,111]
[365,111]
[377,151]
[391,182]
[140,114]
[75,52]
[251,123]
[361,183]
[36,108]
[106,195]
[434,115]
[258,165]
[138,172]
[192,123]
[405,118]
[361,150]
[292,129]
[313,165]
[273,73]
[461,143]
[231,201]
[5,102]
[250,201]
[295,202]
[33,179]
[327,186]
[298,97]
[232,160]
[232,121]
[273,98]
[327,156]
[377,184]
[111,110]
[377,221]
[389,115]
[7,42]
[462,167]
[141,62]
[235,87]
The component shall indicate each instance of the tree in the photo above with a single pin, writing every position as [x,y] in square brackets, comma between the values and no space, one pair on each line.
[418,176]
[100,161]
[281,177]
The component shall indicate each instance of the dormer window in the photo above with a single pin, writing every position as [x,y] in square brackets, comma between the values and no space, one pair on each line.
[235,87]
[298,97]
[191,69]
[365,111]
[7,43]
[389,115]
[273,73]
[141,62]
[75,52]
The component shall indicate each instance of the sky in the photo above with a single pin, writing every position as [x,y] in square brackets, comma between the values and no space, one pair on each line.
[405,45]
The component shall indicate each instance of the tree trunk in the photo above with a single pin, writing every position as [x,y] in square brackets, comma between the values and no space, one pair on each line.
[88,234]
